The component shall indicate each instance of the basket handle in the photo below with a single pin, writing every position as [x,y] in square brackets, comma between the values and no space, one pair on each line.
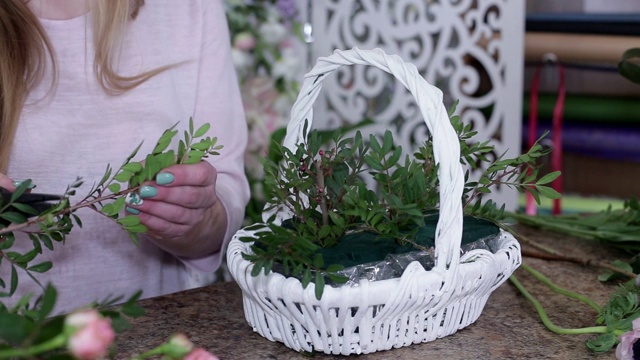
[446,146]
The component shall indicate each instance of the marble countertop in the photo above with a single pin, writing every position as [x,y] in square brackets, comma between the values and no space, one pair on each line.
[508,328]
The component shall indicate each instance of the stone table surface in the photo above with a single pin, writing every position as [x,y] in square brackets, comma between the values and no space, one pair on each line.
[508,328]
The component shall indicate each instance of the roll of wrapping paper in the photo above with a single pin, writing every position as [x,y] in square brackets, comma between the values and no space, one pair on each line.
[583,48]
[584,108]
[556,134]
[584,23]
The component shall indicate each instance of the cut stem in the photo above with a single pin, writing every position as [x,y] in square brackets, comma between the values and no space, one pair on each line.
[545,318]
[52,344]
[560,290]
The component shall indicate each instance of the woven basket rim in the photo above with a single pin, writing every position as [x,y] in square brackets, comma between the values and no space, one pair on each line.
[504,237]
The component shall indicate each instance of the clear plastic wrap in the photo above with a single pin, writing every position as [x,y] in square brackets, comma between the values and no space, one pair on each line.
[394,264]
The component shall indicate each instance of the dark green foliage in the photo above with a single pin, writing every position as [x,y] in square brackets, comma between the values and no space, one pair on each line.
[321,184]
[618,228]
[617,315]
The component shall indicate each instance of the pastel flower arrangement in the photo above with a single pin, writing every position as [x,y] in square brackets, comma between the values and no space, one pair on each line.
[265,37]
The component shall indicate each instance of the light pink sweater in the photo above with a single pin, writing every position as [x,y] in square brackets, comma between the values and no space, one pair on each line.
[78,129]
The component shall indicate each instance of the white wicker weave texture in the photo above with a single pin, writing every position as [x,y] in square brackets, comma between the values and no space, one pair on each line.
[419,306]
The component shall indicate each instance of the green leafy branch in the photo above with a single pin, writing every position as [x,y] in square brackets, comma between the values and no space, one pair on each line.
[106,197]
[321,185]
[613,319]
[619,228]
[521,172]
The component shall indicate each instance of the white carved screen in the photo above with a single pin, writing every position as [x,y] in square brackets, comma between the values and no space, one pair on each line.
[471,49]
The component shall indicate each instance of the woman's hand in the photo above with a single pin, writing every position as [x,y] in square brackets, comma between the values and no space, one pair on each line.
[6,182]
[181,210]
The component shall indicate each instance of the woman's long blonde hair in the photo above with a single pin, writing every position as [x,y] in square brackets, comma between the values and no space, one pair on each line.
[25,52]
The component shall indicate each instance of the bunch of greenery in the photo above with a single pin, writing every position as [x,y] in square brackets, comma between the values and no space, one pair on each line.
[619,228]
[26,325]
[322,187]
[613,319]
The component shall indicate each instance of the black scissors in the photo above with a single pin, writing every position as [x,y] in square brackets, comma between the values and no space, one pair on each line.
[39,202]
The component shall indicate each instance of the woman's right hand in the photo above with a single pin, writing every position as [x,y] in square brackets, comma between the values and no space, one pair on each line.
[6,182]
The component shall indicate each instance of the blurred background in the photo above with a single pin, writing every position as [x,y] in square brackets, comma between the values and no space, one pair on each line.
[516,69]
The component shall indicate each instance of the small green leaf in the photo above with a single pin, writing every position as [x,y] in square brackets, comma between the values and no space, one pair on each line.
[548,192]
[151,167]
[130,220]
[132,167]
[114,188]
[161,146]
[191,126]
[134,152]
[375,145]
[123,176]
[25,208]
[46,241]
[181,149]
[387,142]
[108,209]
[548,178]
[202,130]
[318,262]
[132,309]
[306,278]
[48,301]
[25,258]
[42,267]
[14,280]
[106,176]
[13,217]
[319,285]
[137,229]
[202,145]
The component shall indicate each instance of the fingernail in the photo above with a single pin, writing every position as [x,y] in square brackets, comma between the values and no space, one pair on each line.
[133,199]
[132,210]
[164,178]
[18,182]
[148,191]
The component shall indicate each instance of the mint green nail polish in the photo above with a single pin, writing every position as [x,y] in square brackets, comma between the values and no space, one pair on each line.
[17,183]
[164,178]
[133,199]
[148,191]
[132,210]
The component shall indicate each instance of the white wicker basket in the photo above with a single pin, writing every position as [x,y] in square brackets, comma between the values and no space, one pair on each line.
[419,306]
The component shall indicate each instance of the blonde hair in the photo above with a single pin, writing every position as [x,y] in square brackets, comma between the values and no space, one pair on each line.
[25,50]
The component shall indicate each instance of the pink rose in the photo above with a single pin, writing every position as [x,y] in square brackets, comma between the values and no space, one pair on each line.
[91,334]
[625,349]
[200,354]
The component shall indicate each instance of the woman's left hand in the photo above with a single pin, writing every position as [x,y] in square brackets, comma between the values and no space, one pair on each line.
[181,209]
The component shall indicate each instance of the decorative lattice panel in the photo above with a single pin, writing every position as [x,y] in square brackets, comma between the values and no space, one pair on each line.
[471,49]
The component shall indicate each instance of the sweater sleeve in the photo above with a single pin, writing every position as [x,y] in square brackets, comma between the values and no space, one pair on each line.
[218,102]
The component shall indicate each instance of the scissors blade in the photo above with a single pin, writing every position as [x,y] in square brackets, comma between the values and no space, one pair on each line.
[29,198]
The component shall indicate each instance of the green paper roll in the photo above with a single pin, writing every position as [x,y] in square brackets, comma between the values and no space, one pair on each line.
[588,108]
